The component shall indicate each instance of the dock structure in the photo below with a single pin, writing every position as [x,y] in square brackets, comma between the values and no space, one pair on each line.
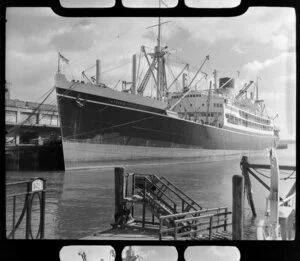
[150,207]
[32,136]
[28,121]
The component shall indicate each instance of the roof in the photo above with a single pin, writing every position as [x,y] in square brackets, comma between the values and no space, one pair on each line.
[29,105]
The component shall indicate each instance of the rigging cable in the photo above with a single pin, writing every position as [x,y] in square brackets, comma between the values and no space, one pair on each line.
[89,68]
[37,109]
[117,67]
[169,67]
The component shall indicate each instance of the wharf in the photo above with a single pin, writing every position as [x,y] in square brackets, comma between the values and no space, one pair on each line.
[133,232]
[136,232]
[176,216]
[34,157]
[32,136]
[149,207]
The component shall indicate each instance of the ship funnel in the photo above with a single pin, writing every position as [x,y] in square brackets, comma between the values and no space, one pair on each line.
[98,72]
[226,82]
[133,87]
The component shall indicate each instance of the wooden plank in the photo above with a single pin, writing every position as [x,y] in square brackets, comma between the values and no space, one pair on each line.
[237,207]
[146,234]
[193,218]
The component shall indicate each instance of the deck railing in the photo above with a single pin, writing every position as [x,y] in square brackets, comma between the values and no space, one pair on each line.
[194,222]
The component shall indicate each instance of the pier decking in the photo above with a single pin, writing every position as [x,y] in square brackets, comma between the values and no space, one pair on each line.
[136,232]
[173,214]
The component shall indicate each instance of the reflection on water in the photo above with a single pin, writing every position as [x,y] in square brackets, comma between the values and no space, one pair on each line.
[84,200]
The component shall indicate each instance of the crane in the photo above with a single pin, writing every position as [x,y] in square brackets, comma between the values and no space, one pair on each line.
[243,90]
[146,78]
[83,255]
[187,88]
[84,76]
[130,255]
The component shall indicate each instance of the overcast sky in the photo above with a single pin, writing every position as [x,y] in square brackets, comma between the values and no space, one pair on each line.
[261,43]
[212,253]
[150,3]
[154,253]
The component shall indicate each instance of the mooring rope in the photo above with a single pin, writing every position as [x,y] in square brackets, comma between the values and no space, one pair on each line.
[289,177]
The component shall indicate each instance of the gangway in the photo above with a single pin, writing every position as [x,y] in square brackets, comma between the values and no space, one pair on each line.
[172,211]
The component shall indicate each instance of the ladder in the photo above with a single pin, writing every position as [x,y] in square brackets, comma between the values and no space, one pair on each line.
[162,197]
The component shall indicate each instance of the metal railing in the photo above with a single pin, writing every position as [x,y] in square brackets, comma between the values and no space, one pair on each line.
[170,190]
[194,222]
[192,204]
[157,194]
[35,188]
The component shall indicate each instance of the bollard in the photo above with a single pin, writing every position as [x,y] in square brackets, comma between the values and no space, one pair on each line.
[237,207]
[119,174]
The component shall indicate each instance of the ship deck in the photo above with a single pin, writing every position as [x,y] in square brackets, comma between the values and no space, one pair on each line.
[132,232]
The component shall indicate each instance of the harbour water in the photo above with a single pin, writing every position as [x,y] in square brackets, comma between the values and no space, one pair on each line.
[83,200]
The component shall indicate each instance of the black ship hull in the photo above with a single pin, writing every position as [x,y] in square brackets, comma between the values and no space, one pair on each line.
[96,129]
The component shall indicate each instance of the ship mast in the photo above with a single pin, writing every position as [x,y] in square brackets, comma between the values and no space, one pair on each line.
[157,63]
[157,52]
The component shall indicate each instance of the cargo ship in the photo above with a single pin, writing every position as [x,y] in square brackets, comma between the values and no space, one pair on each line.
[99,123]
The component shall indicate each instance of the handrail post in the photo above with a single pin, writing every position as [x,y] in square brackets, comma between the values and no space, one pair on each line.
[144,204]
[210,227]
[225,221]
[126,184]
[237,207]
[42,214]
[132,193]
[175,232]
[160,228]
[28,210]
[14,217]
